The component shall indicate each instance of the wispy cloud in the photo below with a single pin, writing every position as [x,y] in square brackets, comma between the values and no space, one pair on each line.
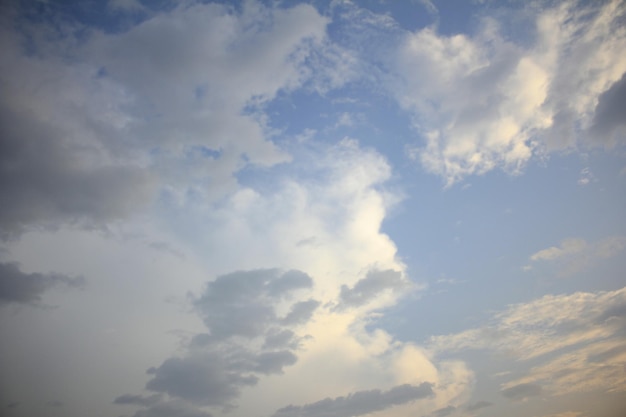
[577,340]
[575,254]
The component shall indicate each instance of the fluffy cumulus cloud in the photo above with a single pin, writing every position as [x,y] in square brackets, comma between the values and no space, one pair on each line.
[290,328]
[484,101]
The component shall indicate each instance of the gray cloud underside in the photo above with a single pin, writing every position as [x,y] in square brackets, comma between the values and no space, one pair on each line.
[171,409]
[609,121]
[216,377]
[370,287]
[242,303]
[128,399]
[203,379]
[43,181]
[238,309]
[19,287]
[360,402]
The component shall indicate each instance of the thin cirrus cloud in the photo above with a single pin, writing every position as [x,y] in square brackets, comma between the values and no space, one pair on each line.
[575,254]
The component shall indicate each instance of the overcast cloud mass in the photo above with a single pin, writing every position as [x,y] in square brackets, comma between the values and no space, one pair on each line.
[324,208]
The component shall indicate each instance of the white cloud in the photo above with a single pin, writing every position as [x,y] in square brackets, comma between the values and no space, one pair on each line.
[483,102]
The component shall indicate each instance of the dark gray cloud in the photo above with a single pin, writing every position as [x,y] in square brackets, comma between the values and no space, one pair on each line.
[171,409]
[609,121]
[274,362]
[239,310]
[242,303]
[521,391]
[45,178]
[360,402]
[128,399]
[478,405]
[289,281]
[214,377]
[369,287]
[300,312]
[19,287]
[208,379]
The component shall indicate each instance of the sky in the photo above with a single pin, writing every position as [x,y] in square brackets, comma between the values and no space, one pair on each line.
[313,209]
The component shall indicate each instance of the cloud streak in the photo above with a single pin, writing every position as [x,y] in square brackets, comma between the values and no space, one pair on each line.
[359,403]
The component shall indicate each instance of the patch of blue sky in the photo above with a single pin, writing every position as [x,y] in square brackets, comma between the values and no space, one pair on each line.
[466,239]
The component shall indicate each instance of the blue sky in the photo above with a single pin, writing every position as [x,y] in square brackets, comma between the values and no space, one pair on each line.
[313,209]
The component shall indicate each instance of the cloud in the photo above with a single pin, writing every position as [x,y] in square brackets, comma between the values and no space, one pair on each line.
[483,101]
[243,303]
[161,110]
[44,178]
[478,405]
[300,312]
[371,287]
[608,120]
[128,399]
[17,287]
[360,402]
[247,338]
[575,255]
[576,342]
[568,247]
[206,379]
[271,330]
[443,412]
[171,409]
[522,391]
